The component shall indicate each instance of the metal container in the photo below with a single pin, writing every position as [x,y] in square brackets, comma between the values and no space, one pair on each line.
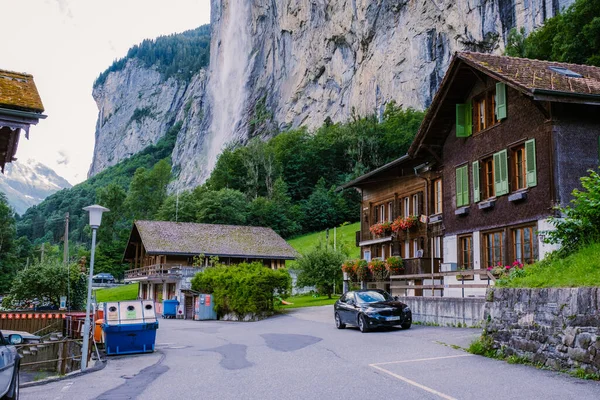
[129,327]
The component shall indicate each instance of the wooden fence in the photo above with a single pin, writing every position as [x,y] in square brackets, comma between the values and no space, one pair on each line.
[418,278]
[34,322]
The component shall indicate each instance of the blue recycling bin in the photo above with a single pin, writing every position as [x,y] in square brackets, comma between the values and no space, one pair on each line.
[170,308]
[129,327]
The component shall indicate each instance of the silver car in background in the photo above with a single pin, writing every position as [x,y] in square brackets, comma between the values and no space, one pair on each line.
[9,366]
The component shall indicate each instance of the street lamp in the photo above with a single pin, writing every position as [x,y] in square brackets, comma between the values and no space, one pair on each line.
[95,212]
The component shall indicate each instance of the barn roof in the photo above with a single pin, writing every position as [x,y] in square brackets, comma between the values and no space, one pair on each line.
[185,238]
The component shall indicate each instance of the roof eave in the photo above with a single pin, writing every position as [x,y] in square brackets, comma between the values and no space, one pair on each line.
[206,254]
[355,182]
[552,95]
[22,114]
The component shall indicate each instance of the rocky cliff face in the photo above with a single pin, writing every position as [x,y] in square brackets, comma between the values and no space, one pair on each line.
[277,64]
[287,63]
[136,107]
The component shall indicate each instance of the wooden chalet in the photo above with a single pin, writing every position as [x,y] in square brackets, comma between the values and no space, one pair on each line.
[163,255]
[512,138]
[403,189]
[20,107]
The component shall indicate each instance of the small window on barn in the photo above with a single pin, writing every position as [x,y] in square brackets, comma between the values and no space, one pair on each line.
[566,72]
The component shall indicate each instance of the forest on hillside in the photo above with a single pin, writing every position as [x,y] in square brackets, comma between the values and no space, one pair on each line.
[179,55]
[287,183]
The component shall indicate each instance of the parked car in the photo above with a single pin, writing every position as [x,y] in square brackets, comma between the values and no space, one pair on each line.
[371,308]
[103,277]
[9,367]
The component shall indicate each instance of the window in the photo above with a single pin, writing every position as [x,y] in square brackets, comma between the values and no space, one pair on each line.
[367,255]
[485,111]
[488,178]
[407,249]
[406,207]
[493,248]
[415,199]
[462,186]
[375,214]
[437,196]
[382,213]
[383,252]
[524,244]
[415,248]
[390,210]
[501,173]
[519,175]
[437,247]
[465,254]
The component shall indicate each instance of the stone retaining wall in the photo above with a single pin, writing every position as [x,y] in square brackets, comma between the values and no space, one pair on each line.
[558,328]
[446,311]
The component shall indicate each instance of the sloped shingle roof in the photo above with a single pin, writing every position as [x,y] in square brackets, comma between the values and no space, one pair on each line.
[18,91]
[162,237]
[533,75]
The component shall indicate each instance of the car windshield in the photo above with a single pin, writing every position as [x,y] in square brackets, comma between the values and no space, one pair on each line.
[372,296]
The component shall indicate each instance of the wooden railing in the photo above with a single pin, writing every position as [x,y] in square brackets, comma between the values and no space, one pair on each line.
[421,266]
[465,284]
[162,270]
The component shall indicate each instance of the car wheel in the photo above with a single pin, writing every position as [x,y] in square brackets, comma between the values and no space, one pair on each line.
[406,325]
[362,324]
[13,391]
[338,322]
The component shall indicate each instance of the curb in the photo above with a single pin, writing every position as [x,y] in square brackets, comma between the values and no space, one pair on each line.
[97,367]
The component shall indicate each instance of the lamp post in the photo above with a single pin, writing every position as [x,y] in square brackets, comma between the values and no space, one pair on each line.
[95,212]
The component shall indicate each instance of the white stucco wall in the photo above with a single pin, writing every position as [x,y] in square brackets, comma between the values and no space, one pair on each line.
[545,248]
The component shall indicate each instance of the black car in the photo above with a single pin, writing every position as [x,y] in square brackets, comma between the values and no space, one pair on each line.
[9,367]
[371,308]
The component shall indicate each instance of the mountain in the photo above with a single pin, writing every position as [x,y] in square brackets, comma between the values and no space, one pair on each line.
[276,65]
[29,183]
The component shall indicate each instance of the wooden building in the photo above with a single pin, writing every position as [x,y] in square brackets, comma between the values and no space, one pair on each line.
[20,107]
[513,137]
[407,188]
[164,255]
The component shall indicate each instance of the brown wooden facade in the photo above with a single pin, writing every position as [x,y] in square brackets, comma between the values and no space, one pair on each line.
[406,187]
[505,171]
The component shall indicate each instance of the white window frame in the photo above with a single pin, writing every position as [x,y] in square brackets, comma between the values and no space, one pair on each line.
[416,210]
[406,207]
[390,210]
[367,255]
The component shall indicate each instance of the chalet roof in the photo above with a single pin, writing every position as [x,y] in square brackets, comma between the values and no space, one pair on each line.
[533,78]
[535,75]
[361,179]
[184,238]
[18,92]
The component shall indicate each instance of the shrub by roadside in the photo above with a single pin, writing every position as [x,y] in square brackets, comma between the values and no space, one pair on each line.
[244,289]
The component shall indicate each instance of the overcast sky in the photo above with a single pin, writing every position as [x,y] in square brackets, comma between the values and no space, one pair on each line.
[65,44]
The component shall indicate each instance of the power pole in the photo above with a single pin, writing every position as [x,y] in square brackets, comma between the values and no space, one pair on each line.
[66,249]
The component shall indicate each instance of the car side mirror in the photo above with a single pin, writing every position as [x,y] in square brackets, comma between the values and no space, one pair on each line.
[15,339]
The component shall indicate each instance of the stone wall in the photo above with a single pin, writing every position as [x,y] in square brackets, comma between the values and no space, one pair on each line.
[446,311]
[558,328]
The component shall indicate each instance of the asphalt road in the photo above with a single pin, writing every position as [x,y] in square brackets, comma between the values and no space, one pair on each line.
[302,356]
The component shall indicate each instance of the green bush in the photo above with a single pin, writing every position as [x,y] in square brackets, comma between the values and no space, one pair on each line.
[581,223]
[247,288]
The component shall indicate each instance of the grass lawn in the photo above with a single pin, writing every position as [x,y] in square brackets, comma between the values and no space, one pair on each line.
[119,293]
[346,239]
[579,269]
[309,301]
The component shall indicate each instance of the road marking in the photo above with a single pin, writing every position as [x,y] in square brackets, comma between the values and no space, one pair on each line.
[421,359]
[411,382]
[427,389]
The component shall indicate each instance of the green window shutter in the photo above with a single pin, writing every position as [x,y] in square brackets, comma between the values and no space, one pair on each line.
[465,183]
[458,189]
[501,173]
[530,163]
[469,118]
[476,190]
[500,100]
[464,120]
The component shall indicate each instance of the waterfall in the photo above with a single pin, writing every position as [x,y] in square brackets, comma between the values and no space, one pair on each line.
[229,74]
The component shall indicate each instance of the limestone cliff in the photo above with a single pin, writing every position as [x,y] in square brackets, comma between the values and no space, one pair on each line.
[286,63]
[276,64]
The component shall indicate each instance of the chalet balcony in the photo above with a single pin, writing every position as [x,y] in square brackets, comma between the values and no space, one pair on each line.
[414,266]
[162,271]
